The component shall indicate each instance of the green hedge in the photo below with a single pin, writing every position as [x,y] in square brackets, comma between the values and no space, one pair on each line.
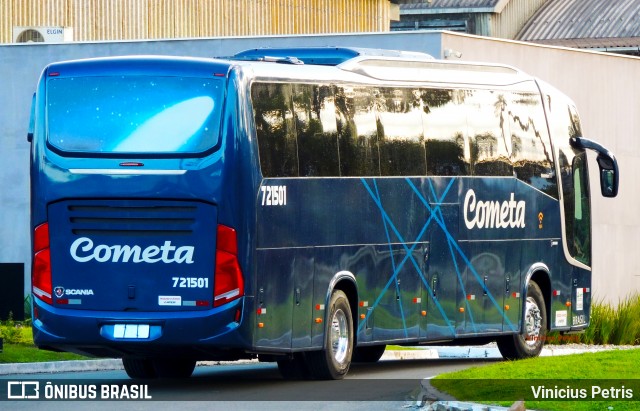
[609,325]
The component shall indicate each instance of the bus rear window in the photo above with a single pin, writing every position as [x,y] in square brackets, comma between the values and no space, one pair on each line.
[133,114]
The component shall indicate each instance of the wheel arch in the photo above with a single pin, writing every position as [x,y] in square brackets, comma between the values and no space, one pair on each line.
[345,281]
[538,273]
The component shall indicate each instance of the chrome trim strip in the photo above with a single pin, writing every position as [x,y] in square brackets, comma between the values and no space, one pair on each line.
[118,171]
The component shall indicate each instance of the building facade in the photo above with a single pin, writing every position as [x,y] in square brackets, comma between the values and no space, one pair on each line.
[112,20]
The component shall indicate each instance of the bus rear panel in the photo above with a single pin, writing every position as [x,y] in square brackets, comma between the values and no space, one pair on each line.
[129,240]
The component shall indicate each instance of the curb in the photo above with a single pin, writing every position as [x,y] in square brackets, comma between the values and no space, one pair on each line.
[419,354]
[61,366]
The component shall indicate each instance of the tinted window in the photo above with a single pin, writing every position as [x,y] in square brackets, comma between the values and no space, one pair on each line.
[400,132]
[358,137]
[490,142]
[319,130]
[275,128]
[530,146]
[316,130]
[133,114]
[445,132]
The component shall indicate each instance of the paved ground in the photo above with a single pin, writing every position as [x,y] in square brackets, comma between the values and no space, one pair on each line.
[434,400]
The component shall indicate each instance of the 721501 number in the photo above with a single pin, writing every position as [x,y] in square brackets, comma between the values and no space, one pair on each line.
[274,195]
[190,282]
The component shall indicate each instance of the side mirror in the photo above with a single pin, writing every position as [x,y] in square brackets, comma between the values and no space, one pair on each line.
[609,173]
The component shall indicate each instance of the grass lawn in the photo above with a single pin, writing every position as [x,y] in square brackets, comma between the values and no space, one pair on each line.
[571,375]
[16,353]
[21,349]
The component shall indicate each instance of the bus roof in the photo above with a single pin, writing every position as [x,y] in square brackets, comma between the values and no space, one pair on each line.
[372,65]
[325,56]
[133,65]
[324,64]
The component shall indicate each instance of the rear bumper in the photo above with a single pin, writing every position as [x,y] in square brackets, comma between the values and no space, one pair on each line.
[210,334]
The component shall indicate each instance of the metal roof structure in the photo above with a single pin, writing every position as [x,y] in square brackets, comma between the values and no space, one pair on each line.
[493,18]
[451,6]
[612,25]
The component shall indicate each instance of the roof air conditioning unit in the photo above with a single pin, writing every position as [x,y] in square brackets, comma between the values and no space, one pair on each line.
[23,34]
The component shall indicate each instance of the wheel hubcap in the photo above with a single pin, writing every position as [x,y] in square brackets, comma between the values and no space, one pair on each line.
[533,322]
[339,336]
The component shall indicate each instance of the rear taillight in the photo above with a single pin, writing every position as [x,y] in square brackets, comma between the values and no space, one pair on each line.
[41,270]
[228,281]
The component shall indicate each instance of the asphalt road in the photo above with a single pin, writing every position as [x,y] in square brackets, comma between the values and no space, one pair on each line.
[386,385]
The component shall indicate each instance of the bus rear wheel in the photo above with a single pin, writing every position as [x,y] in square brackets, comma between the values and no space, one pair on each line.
[530,341]
[332,363]
[139,368]
[174,367]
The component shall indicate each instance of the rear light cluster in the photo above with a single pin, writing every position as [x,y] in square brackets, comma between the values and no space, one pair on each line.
[228,281]
[41,270]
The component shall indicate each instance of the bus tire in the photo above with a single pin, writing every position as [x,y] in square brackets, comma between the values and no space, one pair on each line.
[332,363]
[530,341]
[294,368]
[174,367]
[369,354]
[139,368]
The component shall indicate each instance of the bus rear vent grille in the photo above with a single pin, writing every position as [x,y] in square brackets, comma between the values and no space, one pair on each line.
[130,218]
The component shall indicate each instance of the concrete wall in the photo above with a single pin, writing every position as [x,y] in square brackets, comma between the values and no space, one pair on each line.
[20,68]
[602,86]
[607,94]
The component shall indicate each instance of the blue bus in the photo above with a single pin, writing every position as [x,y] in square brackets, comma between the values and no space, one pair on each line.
[305,206]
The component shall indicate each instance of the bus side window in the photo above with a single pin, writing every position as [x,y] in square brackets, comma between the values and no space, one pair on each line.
[277,145]
[358,139]
[489,133]
[531,148]
[400,132]
[445,133]
[316,130]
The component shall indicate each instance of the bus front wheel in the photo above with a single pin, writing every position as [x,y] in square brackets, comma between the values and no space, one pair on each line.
[332,363]
[530,341]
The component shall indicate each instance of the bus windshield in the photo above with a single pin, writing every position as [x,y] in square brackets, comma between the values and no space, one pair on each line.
[133,114]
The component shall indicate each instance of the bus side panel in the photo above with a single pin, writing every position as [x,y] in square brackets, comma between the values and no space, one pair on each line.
[274,298]
[410,246]
[363,262]
[444,265]
[284,298]
[374,233]
[304,268]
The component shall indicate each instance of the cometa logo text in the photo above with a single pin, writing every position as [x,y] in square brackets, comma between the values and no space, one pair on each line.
[83,250]
[493,214]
